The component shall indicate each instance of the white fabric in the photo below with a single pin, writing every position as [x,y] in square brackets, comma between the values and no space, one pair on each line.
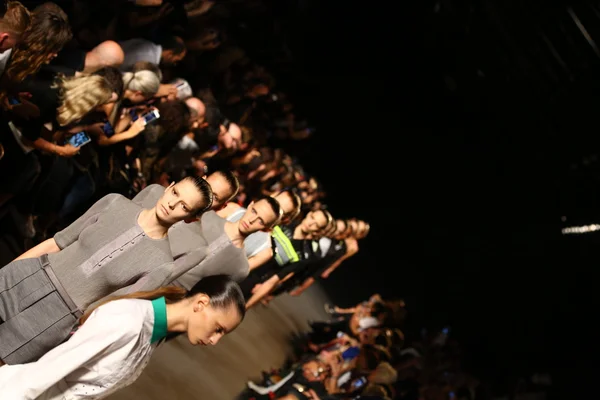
[187,143]
[344,378]
[139,50]
[367,322]
[4,57]
[105,354]
[324,245]
[273,388]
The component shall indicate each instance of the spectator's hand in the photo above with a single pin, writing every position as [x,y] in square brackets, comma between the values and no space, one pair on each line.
[296,292]
[26,110]
[148,3]
[138,126]
[201,169]
[68,150]
[139,183]
[167,90]
[310,394]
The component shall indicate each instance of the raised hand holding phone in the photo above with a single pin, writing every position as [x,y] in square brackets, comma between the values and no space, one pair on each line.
[68,150]
[138,126]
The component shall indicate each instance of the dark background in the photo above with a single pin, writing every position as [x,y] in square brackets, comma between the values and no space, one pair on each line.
[466,134]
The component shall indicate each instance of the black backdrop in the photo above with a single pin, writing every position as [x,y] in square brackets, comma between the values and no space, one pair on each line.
[466,134]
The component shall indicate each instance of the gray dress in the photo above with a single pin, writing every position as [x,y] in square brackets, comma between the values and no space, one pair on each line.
[199,248]
[102,251]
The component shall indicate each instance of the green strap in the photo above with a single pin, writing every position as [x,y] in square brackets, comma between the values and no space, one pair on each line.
[285,242]
[159,330]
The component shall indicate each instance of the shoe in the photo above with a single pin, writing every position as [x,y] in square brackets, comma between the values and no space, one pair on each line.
[24,223]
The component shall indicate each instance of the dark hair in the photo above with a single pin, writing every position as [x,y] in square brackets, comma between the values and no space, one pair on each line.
[204,188]
[174,116]
[232,180]
[173,43]
[223,292]
[274,206]
[48,33]
[213,116]
[327,216]
[114,78]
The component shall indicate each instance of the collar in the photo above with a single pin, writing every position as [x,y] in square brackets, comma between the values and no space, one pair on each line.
[159,330]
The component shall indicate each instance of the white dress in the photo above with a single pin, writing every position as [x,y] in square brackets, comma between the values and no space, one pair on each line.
[104,355]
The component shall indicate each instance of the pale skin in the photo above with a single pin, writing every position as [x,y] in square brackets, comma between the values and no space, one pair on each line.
[204,324]
[265,255]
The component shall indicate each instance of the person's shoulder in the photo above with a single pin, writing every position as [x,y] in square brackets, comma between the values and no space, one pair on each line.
[230,207]
[125,315]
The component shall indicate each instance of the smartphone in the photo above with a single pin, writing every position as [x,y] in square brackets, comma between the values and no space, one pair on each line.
[13,101]
[358,383]
[108,129]
[79,139]
[151,116]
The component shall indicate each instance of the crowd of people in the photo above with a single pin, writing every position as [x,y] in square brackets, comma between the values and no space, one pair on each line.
[362,353]
[140,170]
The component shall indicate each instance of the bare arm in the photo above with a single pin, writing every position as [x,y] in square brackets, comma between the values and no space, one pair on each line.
[264,289]
[48,246]
[259,259]
[136,128]
[305,285]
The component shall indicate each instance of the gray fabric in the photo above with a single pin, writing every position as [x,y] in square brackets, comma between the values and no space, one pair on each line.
[219,257]
[139,50]
[105,250]
[36,318]
[199,248]
[255,242]
[149,196]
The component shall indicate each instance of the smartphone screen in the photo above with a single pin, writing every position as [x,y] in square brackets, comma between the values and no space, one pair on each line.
[151,116]
[79,139]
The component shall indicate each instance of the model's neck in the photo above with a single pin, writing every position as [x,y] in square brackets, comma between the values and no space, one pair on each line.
[177,316]
[232,229]
[151,225]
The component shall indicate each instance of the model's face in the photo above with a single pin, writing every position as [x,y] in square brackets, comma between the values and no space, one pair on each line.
[179,201]
[208,324]
[314,221]
[221,189]
[258,216]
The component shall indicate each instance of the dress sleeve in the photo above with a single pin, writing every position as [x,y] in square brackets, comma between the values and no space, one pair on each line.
[109,329]
[71,233]
[148,197]
[187,270]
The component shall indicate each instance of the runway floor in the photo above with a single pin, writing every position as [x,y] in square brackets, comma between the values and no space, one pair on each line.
[179,371]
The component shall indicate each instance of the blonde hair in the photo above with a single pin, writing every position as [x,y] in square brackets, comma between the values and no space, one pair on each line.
[80,95]
[145,81]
